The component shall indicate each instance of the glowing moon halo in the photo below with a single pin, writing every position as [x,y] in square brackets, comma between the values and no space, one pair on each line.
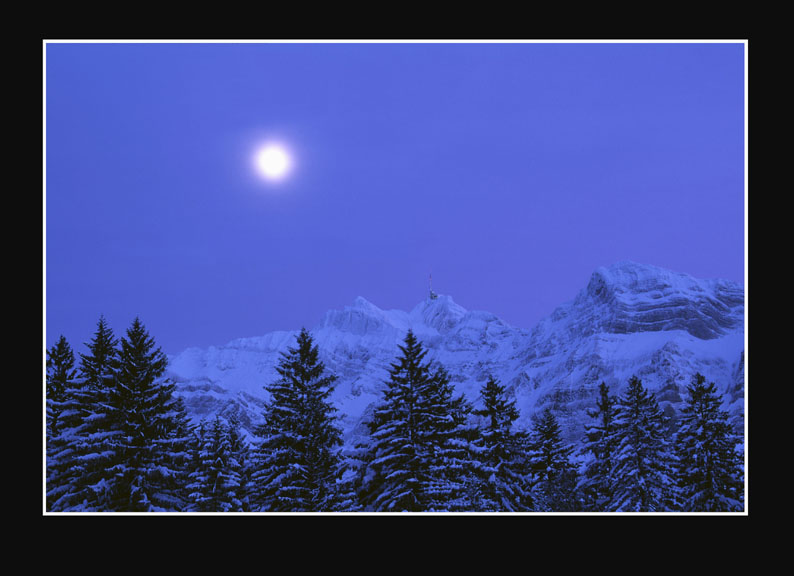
[272,162]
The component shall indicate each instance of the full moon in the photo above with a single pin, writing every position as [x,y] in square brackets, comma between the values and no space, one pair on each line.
[273,162]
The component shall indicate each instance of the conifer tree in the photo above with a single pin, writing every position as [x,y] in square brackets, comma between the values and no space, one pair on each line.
[95,433]
[219,469]
[240,464]
[298,464]
[709,471]
[446,437]
[504,483]
[85,439]
[596,483]
[349,484]
[215,483]
[197,485]
[60,378]
[549,460]
[151,447]
[392,475]
[172,451]
[418,453]
[641,470]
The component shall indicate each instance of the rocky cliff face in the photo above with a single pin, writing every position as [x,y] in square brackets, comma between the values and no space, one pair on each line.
[628,298]
[630,319]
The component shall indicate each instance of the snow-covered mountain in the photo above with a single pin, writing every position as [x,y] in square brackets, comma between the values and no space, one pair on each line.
[630,319]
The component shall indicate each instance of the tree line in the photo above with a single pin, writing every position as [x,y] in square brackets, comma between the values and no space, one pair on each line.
[119,439]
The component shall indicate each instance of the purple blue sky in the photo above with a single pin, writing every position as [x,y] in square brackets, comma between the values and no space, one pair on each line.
[511,171]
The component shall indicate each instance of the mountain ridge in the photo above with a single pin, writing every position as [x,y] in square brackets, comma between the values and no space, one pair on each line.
[629,319]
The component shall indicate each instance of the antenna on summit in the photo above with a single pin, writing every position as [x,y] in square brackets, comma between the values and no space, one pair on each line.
[433,295]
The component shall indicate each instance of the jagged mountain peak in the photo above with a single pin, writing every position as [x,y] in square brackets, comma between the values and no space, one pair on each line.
[361,303]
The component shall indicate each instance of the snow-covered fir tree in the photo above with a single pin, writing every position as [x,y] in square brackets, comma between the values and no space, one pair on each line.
[197,482]
[599,449]
[709,471]
[172,451]
[418,456]
[298,458]
[97,434]
[504,482]
[59,379]
[555,476]
[152,444]
[348,486]
[86,439]
[215,479]
[446,436]
[641,472]
[240,462]
[60,375]
[392,474]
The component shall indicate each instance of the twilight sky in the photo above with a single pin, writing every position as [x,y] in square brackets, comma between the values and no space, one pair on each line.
[511,171]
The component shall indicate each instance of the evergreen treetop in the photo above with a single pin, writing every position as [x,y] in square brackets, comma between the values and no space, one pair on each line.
[96,366]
